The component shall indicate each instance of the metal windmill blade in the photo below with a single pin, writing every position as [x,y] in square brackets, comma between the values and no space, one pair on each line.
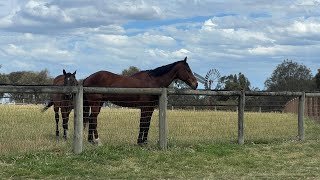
[212,77]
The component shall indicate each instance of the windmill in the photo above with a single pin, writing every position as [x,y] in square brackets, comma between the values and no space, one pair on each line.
[210,79]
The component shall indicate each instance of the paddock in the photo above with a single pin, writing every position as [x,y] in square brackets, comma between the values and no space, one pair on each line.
[24,128]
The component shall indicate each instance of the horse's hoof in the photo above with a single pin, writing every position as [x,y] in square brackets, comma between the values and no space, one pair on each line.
[140,144]
[95,142]
[98,142]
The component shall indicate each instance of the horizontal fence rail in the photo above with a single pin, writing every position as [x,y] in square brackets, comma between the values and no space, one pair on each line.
[38,89]
[148,91]
[240,96]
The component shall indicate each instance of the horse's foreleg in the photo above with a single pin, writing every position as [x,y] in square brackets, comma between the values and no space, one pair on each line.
[56,116]
[65,117]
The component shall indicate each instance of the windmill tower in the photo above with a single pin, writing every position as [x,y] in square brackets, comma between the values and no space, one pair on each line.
[210,82]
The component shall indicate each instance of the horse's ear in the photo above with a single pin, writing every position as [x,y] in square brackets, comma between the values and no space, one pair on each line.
[74,72]
[64,72]
[185,59]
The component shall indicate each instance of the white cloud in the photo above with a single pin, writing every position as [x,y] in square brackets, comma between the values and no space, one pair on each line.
[114,40]
[260,50]
[155,40]
[157,53]
[304,28]
[22,65]
[41,10]
[91,35]
[209,25]
[307,2]
[39,51]
[14,50]
[181,53]
[138,10]
[110,30]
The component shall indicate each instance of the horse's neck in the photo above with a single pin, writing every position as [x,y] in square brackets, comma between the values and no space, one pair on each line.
[166,79]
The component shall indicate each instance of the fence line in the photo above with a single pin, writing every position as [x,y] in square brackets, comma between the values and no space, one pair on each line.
[312,106]
[162,93]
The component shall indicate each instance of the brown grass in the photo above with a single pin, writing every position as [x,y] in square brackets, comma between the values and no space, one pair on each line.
[25,128]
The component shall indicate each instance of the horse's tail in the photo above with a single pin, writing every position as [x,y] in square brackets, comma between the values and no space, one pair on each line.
[50,103]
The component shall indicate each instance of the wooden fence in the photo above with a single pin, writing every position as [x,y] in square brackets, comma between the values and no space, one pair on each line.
[312,106]
[162,93]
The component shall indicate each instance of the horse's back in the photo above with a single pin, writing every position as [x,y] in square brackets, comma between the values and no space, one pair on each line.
[59,80]
[100,78]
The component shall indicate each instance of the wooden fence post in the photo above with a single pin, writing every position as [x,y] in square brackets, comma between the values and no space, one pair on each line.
[301,116]
[241,118]
[163,131]
[78,121]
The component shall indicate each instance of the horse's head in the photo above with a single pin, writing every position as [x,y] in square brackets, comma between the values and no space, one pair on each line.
[70,79]
[185,74]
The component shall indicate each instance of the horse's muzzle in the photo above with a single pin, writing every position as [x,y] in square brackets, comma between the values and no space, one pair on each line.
[194,85]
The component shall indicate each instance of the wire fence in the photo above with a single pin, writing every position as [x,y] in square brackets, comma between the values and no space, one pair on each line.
[24,128]
[210,119]
[264,120]
[118,125]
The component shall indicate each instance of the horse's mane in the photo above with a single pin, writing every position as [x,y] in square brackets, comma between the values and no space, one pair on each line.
[161,70]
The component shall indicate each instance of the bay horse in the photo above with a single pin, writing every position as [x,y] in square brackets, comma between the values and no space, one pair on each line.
[64,102]
[160,77]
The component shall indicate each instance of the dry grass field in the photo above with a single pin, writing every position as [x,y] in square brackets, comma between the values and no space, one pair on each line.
[202,145]
[25,128]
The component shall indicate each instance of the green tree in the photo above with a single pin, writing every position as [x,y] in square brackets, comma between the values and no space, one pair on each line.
[235,83]
[130,71]
[29,78]
[290,76]
[232,82]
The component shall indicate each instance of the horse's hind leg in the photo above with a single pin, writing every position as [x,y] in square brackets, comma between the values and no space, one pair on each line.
[86,114]
[93,120]
[56,116]
[148,116]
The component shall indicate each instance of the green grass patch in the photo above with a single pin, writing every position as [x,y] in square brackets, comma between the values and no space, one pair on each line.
[276,161]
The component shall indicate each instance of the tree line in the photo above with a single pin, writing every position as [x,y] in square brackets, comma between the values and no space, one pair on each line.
[287,76]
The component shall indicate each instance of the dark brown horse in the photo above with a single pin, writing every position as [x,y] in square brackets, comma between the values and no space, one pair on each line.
[62,101]
[157,78]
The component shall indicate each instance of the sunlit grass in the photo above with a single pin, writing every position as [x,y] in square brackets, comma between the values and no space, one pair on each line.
[202,145]
[26,128]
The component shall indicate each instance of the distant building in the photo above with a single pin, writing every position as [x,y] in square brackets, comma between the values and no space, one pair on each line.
[6,99]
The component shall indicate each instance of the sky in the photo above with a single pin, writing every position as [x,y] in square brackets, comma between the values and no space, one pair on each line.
[247,36]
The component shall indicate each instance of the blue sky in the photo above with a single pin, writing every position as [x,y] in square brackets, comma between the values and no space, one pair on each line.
[251,37]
